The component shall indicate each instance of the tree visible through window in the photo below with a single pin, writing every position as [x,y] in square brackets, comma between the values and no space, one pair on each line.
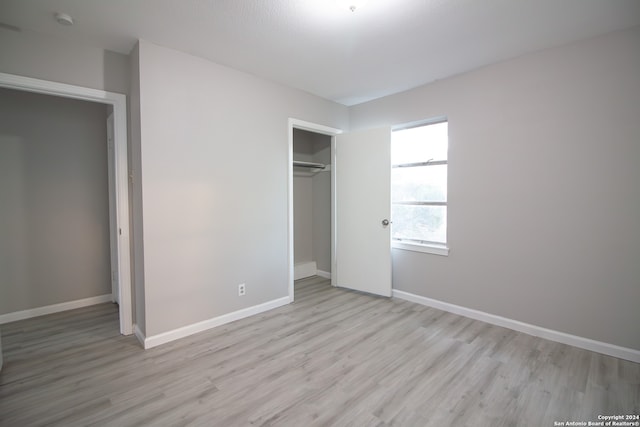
[419,184]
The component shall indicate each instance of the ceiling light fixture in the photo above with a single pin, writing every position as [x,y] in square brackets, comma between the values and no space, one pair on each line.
[352,5]
[64,19]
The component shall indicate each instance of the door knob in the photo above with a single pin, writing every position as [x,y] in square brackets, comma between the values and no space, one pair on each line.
[385,222]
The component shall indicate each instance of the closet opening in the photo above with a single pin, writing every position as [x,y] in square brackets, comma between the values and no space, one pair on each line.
[311,183]
[311,204]
[113,120]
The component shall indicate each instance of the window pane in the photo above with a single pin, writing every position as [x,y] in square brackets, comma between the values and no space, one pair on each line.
[419,184]
[425,223]
[420,144]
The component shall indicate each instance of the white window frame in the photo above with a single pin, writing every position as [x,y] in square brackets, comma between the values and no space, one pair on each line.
[434,248]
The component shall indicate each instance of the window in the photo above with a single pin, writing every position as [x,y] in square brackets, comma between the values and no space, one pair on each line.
[419,188]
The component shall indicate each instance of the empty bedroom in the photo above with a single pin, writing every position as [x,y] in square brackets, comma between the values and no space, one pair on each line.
[319,212]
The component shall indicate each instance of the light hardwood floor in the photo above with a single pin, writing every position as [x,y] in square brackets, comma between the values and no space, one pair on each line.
[334,358]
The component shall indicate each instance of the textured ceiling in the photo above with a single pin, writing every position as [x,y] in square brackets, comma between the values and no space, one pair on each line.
[350,57]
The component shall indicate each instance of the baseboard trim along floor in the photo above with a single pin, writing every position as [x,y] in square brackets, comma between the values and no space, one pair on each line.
[185,331]
[537,331]
[302,270]
[54,308]
[324,274]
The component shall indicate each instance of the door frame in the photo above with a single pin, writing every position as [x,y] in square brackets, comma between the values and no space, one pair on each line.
[324,130]
[113,238]
[120,170]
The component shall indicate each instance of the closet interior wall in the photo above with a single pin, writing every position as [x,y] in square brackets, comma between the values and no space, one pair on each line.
[54,202]
[312,205]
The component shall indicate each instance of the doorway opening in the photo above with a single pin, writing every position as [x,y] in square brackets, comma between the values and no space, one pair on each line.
[118,174]
[311,186]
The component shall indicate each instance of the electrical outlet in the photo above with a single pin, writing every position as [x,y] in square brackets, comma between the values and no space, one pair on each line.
[241,289]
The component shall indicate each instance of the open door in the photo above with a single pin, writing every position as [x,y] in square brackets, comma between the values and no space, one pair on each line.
[113,214]
[362,211]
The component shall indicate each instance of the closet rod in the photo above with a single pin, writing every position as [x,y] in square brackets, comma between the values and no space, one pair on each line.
[308,165]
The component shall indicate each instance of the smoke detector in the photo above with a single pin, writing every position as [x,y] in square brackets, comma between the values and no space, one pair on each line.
[64,19]
[351,5]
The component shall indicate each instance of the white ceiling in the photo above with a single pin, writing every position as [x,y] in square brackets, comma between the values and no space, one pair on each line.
[385,47]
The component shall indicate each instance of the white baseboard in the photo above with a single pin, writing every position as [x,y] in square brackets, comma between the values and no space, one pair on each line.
[324,274]
[304,269]
[55,308]
[550,334]
[185,331]
[139,334]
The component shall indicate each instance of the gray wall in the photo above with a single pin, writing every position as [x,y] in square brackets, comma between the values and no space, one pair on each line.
[322,205]
[302,200]
[213,152]
[135,197]
[302,219]
[544,188]
[54,207]
[32,55]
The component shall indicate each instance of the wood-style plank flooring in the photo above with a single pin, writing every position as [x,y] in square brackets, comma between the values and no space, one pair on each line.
[333,358]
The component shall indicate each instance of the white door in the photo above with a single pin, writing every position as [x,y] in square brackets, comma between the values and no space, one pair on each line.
[113,224]
[362,197]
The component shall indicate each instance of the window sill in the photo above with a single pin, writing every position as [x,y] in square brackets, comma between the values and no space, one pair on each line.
[415,247]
